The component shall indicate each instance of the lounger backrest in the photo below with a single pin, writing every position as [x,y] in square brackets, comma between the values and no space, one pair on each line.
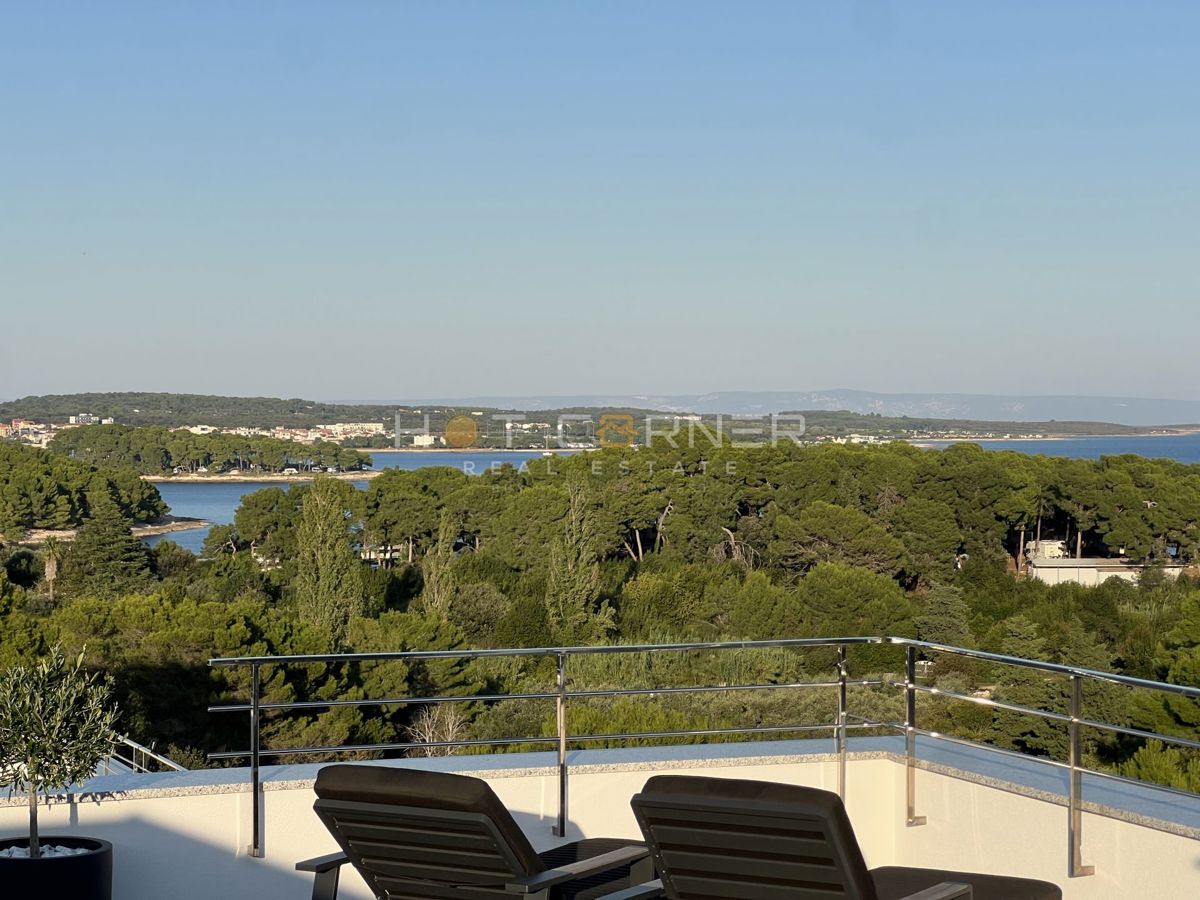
[414,834]
[722,837]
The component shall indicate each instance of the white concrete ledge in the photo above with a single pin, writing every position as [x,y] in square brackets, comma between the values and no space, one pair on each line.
[184,834]
[1141,804]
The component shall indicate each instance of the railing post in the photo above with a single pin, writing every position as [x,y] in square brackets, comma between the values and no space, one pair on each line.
[561,709]
[840,730]
[256,850]
[1075,866]
[910,738]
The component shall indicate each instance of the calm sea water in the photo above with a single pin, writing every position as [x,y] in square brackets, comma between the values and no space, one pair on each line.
[473,462]
[1182,447]
[216,502]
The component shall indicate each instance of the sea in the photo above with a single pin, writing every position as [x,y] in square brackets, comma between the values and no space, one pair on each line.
[1183,448]
[216,502]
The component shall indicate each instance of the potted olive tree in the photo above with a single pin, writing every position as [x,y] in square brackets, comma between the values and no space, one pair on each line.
[56,726]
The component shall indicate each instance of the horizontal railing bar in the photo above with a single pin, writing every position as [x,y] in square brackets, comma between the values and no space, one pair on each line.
[157,757]
[643,735]
[711,689]
[614,692]
[984,655]
[706,732]
[1053,716]
[985,701]
[1137,782]
[784,643]
[1046,760]
[1056,668]
[386,701]
[1016,754]
[864,722]
[387,656]
[542,651]
[363,748]
[1138,732]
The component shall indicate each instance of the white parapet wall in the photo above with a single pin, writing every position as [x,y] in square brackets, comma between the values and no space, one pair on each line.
[184,836]
[978,827]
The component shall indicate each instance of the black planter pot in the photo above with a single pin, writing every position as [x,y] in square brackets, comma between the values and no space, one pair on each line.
[86,876]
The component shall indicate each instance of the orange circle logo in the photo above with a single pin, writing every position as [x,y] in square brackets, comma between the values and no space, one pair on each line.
[461,431]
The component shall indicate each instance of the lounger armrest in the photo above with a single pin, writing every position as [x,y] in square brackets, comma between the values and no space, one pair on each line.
[638,892]
[323,863]
[327,871]
[602,863]
[947,890]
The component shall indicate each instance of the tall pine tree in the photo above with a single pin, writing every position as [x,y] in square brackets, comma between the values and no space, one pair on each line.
[573,580]
[106,560]
[329,577]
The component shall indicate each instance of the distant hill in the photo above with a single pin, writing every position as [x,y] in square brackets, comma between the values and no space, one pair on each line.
[978,407]
[174,410]
[822,422]
[882,414]
[147,408]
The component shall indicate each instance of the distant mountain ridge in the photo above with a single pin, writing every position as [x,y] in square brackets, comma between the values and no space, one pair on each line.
[1136,411]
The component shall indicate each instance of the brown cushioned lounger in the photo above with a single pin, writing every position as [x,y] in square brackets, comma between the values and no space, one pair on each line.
[419,835]
[758,840]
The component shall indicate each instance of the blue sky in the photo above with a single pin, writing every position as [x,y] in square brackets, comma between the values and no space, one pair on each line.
[393,200]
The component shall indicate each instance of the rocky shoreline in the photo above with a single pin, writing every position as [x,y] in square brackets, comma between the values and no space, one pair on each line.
[163,525]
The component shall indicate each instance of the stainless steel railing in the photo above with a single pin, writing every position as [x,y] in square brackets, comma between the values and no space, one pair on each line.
[131,757]
[839,728]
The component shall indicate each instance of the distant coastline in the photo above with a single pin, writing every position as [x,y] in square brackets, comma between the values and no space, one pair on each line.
[927,443]
[933,442]
[250,479]
[363,475]
[164,525]
[542,450]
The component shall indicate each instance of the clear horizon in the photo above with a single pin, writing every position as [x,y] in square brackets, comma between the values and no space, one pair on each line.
[473,199]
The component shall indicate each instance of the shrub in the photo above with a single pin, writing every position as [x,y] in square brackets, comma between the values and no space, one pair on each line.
[56,726]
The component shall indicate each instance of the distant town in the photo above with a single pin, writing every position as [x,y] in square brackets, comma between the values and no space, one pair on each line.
[40,434]
[36,421]
[572,434]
